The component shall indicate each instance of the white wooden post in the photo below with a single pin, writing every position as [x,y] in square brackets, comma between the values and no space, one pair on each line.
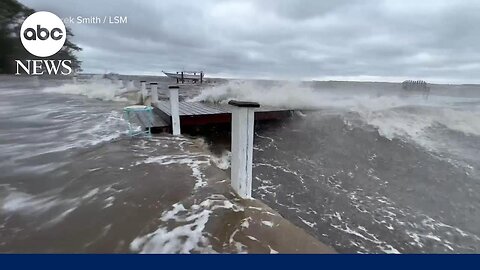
[143,91]
[154,93]
[175,109]
[130,85]
[74,79]
[243,118]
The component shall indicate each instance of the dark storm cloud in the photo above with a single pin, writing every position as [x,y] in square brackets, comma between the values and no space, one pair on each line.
[283,39]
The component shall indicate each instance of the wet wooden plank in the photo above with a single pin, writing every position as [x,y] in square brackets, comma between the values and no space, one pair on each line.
[190,108]
[201,108]
[146,120]
[202,113]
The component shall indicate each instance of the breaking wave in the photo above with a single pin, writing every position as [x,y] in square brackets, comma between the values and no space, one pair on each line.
[394,115]
[98,88]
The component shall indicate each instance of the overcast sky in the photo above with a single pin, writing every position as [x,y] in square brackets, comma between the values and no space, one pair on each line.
[380,40]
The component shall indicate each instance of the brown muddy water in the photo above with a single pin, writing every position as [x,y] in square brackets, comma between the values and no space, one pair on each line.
[73,181]
[362,167]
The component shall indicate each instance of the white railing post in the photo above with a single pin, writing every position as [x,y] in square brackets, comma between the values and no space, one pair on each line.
[174,109]
[143,91]
[243,118]
[154,92]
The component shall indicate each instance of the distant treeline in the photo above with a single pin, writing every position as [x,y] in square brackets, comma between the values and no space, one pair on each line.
[415,85]
[12,15]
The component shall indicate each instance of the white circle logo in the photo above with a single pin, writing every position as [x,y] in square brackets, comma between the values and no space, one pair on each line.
[43,34]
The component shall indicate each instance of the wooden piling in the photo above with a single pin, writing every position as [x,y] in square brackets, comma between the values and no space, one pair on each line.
[154,92]
[143,90]
[243,116]
[175,109]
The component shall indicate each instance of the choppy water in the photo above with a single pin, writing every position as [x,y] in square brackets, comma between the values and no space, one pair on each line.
[362,168]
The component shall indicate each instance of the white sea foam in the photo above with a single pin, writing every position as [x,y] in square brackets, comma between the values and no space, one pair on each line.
[299,96]
[51,205]
[285,95]
[91,194]
[267,223]
[223,161]
[420,228]
[22,202]
[362,233]
[110,127]
[194,162]
[189,236]
[62,129]
[394,116]
[98,88]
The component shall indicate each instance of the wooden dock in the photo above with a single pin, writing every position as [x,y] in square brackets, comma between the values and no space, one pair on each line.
[201,113]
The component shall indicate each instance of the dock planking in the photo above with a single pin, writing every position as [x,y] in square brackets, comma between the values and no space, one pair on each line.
[145,120]
[202,113]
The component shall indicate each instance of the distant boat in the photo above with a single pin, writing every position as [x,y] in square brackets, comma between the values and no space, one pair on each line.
[195,76]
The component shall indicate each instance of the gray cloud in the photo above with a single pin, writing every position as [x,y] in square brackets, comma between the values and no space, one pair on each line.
[389,40]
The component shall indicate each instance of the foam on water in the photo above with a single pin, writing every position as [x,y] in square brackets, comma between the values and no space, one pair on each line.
[104,127]
[223,161]
[395,116]
[278,95]
[359,200]
[368,223]
[189,237]
[98,88]
[25,203]
[59,123]
[194,162]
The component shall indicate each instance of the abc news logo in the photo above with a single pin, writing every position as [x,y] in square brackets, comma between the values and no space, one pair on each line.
[43,34]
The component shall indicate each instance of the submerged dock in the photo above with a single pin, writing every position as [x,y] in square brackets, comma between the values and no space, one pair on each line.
[241,116]
[196,114]
[202,113]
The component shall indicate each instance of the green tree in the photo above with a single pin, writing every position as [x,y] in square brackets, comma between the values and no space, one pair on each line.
[12,15]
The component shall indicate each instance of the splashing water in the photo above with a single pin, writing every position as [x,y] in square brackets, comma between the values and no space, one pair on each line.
[395,116]
[98,88]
